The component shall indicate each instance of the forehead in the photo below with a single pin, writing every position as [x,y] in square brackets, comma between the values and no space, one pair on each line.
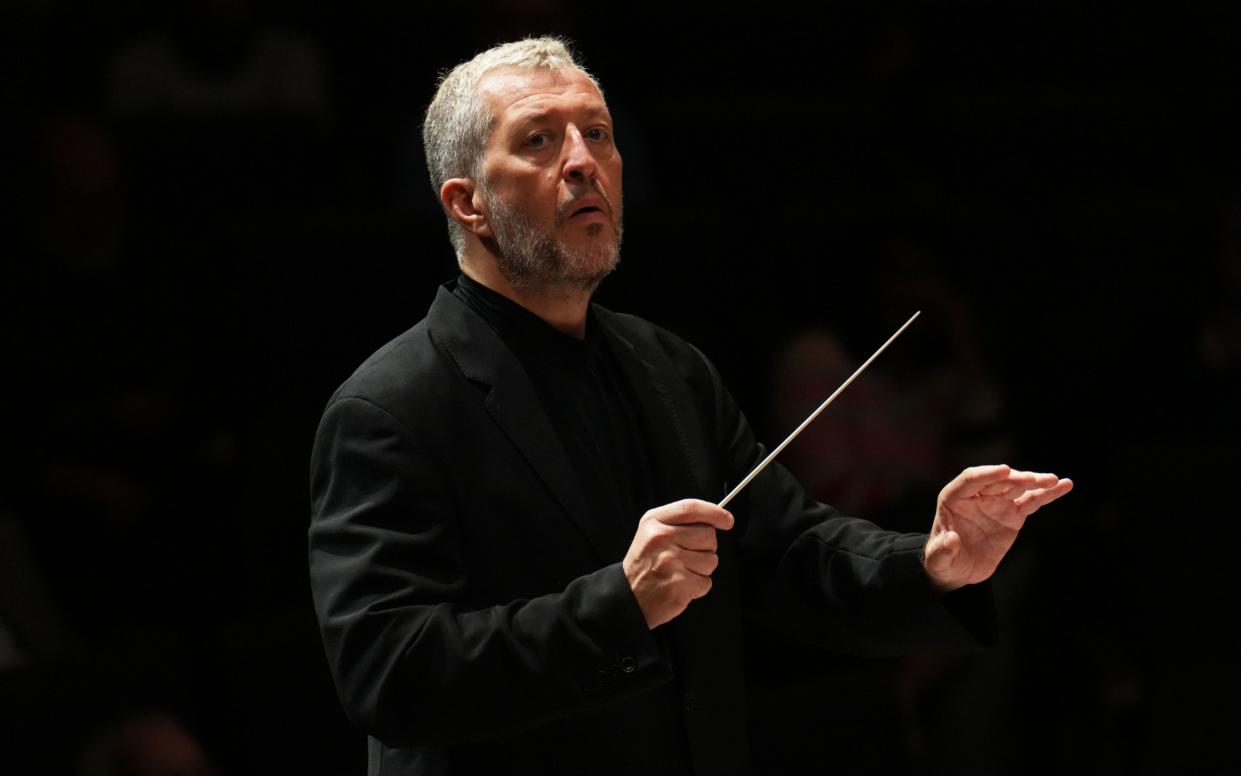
[514,94]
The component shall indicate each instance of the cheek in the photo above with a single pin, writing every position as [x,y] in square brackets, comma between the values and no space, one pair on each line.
[614,169]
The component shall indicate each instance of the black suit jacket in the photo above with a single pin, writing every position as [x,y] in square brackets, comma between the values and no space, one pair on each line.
[475,616]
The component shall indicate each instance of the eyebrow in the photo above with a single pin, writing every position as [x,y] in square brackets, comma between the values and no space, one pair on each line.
[537,116]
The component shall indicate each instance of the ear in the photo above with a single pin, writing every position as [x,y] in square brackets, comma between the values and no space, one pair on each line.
[463,201]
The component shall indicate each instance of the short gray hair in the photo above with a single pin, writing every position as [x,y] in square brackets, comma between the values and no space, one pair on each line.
[458,121]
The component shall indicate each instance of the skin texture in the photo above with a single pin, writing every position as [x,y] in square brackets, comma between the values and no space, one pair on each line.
[551,167]
[544,230]
[977,517]
[672,557]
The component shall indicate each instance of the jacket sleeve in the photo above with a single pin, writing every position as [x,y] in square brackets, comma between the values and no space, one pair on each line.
[413,663]
[837,581]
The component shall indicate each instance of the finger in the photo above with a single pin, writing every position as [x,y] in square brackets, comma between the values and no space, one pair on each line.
[1017,483]
[697,537]
[689,511]
[703,563]
[1056,489]
[973,479]
[1033,479]
[996,489]
[941,551]
[1032,500]
[699,585]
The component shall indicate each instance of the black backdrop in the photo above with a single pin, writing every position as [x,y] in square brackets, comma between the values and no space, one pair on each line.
[185,281]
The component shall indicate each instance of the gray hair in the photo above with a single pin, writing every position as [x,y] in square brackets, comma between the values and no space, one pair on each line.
[458,121]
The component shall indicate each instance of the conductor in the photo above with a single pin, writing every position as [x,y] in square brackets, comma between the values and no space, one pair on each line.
[515,554]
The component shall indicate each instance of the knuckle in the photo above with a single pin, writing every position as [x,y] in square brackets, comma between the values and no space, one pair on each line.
[665,559]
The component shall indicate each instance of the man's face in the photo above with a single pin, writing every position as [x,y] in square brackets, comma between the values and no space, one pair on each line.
[551,179]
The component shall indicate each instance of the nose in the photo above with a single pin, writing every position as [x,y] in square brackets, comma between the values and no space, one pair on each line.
[578,160]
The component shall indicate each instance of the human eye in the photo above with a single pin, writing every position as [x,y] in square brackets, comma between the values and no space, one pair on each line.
[538,140]
[598,133]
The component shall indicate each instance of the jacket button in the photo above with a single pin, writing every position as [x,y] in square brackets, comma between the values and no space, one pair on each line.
[628,665]
[687,701]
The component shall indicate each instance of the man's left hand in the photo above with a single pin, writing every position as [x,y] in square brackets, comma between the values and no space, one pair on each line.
[977,519]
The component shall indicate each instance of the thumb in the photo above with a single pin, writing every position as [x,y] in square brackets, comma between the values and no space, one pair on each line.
[941,551]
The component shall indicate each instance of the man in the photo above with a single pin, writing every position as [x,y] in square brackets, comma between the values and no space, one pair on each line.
[515,554]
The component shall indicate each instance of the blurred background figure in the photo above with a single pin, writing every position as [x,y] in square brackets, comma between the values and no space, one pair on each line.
[210,58]
[147,745]
[927,407]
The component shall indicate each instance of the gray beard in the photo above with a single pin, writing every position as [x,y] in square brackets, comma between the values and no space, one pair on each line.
[536,262]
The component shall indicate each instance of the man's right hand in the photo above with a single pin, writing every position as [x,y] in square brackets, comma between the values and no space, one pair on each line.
[672,557]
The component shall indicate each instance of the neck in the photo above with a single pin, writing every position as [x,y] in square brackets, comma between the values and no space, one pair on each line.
[563,309]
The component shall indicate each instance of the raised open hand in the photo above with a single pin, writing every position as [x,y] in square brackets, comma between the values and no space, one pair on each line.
[977,518]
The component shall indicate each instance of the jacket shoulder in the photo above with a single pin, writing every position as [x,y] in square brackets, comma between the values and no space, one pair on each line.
[391,367]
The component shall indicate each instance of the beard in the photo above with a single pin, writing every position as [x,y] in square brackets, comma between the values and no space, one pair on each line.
[534,260]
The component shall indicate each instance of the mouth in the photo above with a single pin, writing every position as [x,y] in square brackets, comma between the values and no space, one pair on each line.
[586,211]
[587,207]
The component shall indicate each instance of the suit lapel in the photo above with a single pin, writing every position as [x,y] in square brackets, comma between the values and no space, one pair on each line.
[707,634]
[706,637]
[664,414]
[484,359]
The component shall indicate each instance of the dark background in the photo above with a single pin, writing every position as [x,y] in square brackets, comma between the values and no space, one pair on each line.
[191,265]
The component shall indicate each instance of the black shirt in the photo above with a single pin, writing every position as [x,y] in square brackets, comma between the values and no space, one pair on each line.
[588,401]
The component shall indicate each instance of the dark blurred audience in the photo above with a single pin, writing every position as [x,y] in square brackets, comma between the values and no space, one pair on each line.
[212,59]
[146,745]
[202,194]
[923,410]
